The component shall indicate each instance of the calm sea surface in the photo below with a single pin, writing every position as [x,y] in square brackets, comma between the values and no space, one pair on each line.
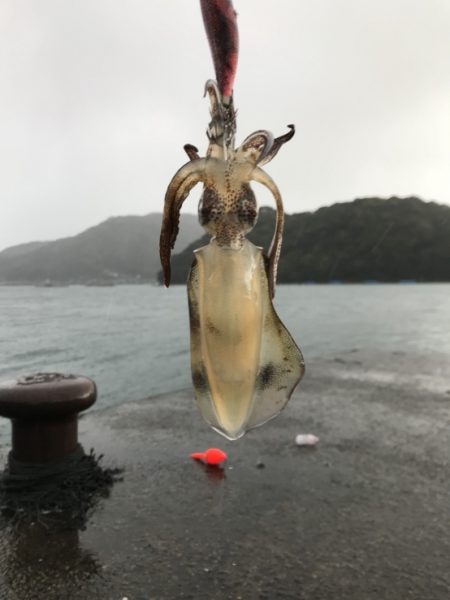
[134,340]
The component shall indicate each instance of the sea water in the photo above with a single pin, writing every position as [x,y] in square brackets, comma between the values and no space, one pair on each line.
[134,340]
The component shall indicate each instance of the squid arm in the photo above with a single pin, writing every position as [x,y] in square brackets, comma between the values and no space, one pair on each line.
[273,255]
[256,146]
[191,151]
[276,145]
[222,127]
[178,190]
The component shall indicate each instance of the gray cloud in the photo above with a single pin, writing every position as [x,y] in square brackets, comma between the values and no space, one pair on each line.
[98,97]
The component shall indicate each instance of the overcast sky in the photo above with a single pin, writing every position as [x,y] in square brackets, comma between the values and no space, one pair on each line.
[97,98]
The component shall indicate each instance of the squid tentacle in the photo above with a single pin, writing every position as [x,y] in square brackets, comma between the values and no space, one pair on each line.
[178,190]
[273,255]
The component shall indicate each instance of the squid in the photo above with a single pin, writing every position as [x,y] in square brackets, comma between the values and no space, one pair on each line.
[245,364]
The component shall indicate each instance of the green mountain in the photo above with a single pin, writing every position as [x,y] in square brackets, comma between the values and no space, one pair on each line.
[369,239]
[121,249]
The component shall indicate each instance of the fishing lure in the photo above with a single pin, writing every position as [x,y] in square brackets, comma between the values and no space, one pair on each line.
[245,364]
[211,457]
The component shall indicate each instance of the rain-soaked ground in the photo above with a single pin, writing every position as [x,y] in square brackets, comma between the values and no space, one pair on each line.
[363,515]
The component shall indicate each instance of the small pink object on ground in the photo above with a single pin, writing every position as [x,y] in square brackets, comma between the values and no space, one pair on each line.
[212,456]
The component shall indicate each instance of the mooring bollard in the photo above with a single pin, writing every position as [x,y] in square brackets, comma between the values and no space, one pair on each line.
[48,478]
[44,411]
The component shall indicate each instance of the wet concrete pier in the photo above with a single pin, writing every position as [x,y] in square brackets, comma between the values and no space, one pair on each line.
[362,516]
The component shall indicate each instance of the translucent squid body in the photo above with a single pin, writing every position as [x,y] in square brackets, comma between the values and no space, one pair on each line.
[245,364]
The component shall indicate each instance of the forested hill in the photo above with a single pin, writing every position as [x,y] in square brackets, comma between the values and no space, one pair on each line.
[120,249]
[369,239]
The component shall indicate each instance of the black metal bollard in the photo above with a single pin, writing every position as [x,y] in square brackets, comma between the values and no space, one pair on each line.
[44,411]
